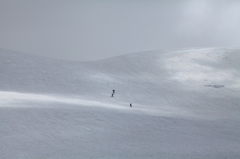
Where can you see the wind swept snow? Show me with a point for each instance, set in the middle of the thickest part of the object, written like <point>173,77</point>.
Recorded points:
<point>185,105</point>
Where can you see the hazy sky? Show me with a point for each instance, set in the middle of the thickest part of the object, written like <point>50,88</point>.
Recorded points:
<point>89,30</point>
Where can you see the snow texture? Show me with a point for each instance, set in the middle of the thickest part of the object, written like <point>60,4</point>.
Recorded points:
<point>185,105</point>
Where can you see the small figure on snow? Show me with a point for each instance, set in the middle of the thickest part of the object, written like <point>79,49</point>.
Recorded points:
<point>130,104</point>
<point>113,92</point>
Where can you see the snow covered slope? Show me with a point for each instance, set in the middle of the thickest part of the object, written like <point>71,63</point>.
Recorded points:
<point>185,105</point>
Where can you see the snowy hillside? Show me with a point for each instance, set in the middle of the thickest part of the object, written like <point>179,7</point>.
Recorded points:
<point>185,105</point>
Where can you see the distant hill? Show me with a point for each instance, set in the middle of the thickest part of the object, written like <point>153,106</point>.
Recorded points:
<point>185,105</point>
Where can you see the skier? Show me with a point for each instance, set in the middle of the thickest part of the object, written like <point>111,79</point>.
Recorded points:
<point>113,92</point>
<point>130,104</point>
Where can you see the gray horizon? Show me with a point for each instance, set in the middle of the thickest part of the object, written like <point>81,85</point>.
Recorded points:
<point>91,30</point>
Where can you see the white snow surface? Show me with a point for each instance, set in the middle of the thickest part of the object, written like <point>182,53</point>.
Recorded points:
<point>185,106</point>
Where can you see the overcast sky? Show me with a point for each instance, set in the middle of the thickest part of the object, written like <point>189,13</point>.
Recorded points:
<point>90,30</point>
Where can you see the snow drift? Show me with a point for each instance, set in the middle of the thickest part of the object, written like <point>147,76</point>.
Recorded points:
<point>185,105</point>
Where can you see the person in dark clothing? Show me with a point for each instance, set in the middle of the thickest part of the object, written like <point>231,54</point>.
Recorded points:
<point>113,92</point>
<point>130,104</point>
